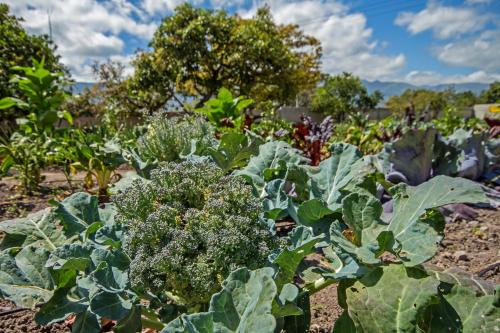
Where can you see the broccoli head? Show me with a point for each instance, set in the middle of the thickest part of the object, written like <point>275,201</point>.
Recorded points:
<point>190,227</point>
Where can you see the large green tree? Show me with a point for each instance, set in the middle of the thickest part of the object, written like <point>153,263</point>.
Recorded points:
<point>19,48</point>
<point>492,94</point>
<point>461,99</point>
<point>197,51</point>
<point>344,96</point>
<point>418,102</point>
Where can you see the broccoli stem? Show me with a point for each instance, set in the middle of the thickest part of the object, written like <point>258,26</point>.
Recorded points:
<point>318,285</point>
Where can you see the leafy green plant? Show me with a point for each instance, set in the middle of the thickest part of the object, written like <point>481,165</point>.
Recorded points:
<point>96,152</point>
<point>370,137</point>
<point>64,153</point>
<point>170,138</point>
<point>353,241</point>
<point>189,227</point>
<point>226,111</point>
<point>17,48</point>
<point>68,260</point>
<point>274,161</point>
<point>28,148</point>
<point>450,121</point>
<point>234,150</point>
<point>43,95</point>
<point>27,155</point>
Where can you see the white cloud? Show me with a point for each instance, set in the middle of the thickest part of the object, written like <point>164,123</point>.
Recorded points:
<point>84,30</point>
<point>481,52</point>
<point>444,21</point>
<point>125,60</point>
<point>91,30</point>
<point>157,6</point>
<point>434,78</point>
<point>347,42</point>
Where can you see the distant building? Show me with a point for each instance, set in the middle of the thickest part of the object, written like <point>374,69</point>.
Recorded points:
<point>482,111</point>
<point>293,113</point>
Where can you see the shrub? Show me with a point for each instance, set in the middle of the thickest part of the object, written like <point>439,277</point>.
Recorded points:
<point>167,139</point>
<point>27,155</point>
<point>189,227</point>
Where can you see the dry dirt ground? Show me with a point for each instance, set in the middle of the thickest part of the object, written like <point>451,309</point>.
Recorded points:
<point>470,245</point>
<point>23,322</point>
<point>13,203</point>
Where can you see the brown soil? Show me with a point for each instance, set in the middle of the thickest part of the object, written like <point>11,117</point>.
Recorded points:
<point>13,203</point>
<point>473,245</point>
<point>325,310</point>
<point>23,322</point>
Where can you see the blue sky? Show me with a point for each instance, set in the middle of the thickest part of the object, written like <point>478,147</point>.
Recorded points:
<point>415,41</point>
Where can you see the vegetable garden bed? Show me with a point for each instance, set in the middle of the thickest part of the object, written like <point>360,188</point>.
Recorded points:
<point>479,238</point>
<point>469,245</point>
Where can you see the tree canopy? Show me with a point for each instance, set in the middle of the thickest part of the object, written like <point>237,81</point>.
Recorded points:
<point>197,51</point>
<point>492,94</point>
<point>19,48</point>
<point>418,102</point>
<point>344,95</point>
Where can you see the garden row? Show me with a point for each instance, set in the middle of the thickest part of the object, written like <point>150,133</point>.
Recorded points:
<point>190,245</point>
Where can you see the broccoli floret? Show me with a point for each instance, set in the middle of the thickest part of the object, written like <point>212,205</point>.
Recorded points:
<point>190,227</point>
<point>167,139</point>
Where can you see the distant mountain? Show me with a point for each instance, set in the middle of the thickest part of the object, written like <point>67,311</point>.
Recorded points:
<point>389,89</point>
<point>78,87</point>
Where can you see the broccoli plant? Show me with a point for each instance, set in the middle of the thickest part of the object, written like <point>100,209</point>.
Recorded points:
<point>189,227</point>
<point>170,139</point>
<point>191,232</point>
<point>378,295</point>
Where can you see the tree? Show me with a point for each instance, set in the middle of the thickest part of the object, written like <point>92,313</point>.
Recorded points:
<point>492,94</point>
<point>18,48</point>
<point>344,95</point>
<point>110,99</point>
<point>421,103</point>
<point>197,51</point>
<point>462,99</point>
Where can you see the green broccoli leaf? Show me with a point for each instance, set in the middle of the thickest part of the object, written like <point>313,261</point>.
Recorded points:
<point>390,298</point>
<point>303,242</point>
<point>80,210</point>
<point>476,313</point>
<point>23,277</point>
<point>334,174</point>
<point>276,204</point>
<point>109,305</point>
<point>234,150</point>
<point>39,229</point>
<point>244,305</point>
<point>417,237</point>
<point>59,307</point>
<point>271,163</point>
<point>415,228</point>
